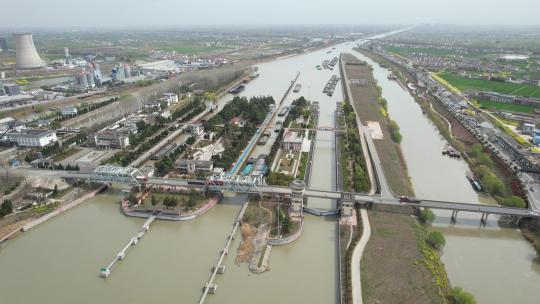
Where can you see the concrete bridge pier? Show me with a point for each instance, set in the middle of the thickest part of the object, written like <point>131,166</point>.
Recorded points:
<point>483,219</point>
<point>517,220</point>
<point>453,218</point>
<point>220,269</point>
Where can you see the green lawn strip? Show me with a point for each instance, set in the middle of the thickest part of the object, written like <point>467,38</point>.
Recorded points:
<point>503,106</point>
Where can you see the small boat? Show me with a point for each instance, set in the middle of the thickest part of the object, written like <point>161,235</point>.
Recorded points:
<point>475,183</point>
<point>237,89</point>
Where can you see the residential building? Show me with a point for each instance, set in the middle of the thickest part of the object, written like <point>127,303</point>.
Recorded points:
<point>31,137</point>
<point>192,165</point>
<point>170,97</point>
<point>291,142</point>
<point>115,137</point>
<point>237,121</point>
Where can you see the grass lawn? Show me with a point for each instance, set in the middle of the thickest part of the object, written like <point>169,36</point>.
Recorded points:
<point>465,84</point>
<point>503,106</point>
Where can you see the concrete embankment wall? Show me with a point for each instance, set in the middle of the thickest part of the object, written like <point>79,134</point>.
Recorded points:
<point>171,217</point>
<point>62,209</point>
<point>286,240</point>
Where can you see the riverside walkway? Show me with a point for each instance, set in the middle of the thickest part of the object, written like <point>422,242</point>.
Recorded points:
<point>210,286</point>
<point>106,271</point>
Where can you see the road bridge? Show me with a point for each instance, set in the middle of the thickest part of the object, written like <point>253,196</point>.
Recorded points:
<point>297,191</point>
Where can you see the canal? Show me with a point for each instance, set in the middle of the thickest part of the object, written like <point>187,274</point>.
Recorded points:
<point>59,261</point>
<point>496,264</point>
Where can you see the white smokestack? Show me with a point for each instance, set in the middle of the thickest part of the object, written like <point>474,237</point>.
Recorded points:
<point>27,56</point>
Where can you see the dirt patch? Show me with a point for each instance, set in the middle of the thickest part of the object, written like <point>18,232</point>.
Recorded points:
<point>47,182</point>
<point>392,271</point>
<point>245,250</point>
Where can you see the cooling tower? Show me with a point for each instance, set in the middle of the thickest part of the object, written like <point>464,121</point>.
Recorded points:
<point>27,56</point>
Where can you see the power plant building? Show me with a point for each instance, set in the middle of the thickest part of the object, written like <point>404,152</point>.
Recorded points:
<point>27,56</point>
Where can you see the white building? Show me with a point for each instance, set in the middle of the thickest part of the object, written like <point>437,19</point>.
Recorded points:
<point>31,138</point>
<point>68,111</point>
<point>291,142</point>
<point>196,129</point>
<point>170,97</point>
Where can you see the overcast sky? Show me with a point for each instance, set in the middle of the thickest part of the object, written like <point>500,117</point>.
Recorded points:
<point>101,13</point>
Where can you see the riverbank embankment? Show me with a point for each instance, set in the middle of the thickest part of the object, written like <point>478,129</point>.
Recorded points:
<point>390,267</point>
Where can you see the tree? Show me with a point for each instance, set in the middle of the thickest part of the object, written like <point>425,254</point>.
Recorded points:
<point>436,240</point>
<point>6,208</point>
<point>154,201</point>
<point>170,202</point>
<point>286,224</point>
<point>427,216</point>
<point>394,132</point>
<point>279,179</point>
<point>132,198</point>
<point>482,171</point>
<point>191,140</point>
<point>476,150</point>
<point>485,160</point>
<point>514,201</point>
<point>192,201</point>
<point>493,185</point>
<point>459,296</point>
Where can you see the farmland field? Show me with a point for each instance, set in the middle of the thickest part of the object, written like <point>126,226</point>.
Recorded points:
<point>465,84</point>
<point>503,106</point>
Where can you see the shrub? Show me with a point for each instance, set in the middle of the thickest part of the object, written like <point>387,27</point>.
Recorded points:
<point>427,216</point>
<point>459,296</point>
<point>394,132</point>
<point>436,240</point>
<point>514,201</point>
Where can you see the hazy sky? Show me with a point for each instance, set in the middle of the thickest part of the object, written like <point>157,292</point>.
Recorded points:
<point>100,13</point>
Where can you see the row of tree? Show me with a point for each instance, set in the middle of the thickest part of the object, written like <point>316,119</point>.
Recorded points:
<point>353,146</point>
<point>235,138</point>
<point>59,166</point>
<point>484,167</point>
<point>166,164</point>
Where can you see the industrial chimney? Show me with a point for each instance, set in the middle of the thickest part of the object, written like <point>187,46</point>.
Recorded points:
<point>27,57</point>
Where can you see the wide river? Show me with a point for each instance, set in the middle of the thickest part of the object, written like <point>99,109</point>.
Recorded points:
<point>59,261</point>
